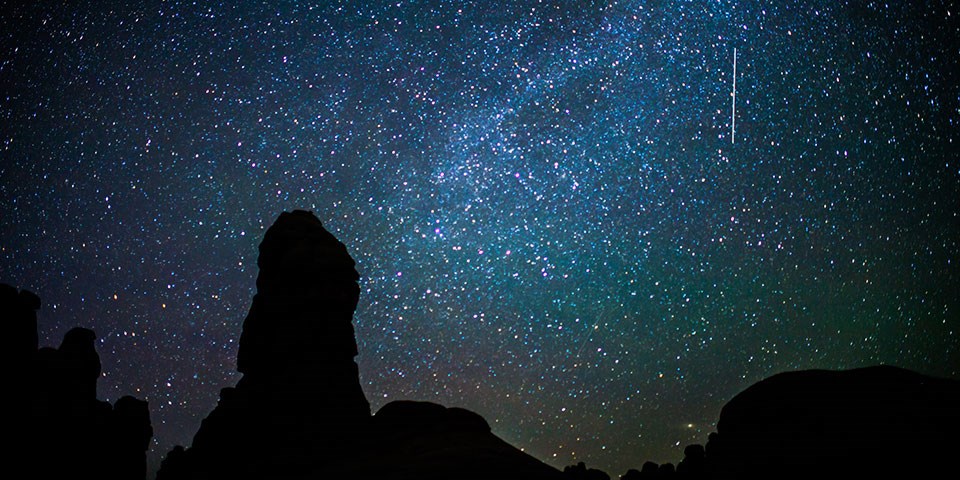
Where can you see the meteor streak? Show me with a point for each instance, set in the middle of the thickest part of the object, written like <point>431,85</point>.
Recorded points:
<point>733,113</point>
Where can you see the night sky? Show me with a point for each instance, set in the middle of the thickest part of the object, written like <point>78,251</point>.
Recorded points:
<point>554,224</point>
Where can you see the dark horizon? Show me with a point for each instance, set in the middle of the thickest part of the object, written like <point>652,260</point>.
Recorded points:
<point>299,410</point>
<point>552,225</point>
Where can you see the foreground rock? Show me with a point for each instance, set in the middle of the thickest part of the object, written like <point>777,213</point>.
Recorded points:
<point>299,402</point>
<point>863,422</point>
<point>58,427</point>
<point>299,410</point>
<point>423,440</point>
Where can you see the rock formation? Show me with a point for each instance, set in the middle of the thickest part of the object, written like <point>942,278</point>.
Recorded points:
<point>423,440</point>
<point>581,472</point>
<point>20,320</point>
<point>299,402</point>
<point>130,424</point>
<point>694,463</point>
<point>59,428</point>
<point>876,421</point>
<point>299,411</point>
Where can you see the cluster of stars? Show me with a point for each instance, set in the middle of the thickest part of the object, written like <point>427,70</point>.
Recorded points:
<point>552,225</point>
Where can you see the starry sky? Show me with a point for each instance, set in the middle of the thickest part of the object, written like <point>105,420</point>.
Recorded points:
<point>553,220</point>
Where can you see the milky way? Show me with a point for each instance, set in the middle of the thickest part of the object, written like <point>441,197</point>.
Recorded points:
<point>552,222</point>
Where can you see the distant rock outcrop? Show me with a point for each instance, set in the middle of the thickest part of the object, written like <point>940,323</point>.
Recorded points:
<point>423,440</point>
<point>876,421</point>
<point>581,472</point>
<point>60,429</point>
<point>299,410</point>
<point>20,313</point>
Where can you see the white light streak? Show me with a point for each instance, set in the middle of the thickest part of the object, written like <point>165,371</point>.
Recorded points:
<point>733,112</point>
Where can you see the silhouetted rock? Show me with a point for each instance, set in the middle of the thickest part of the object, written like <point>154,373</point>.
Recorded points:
<point>632,474</point>
<point>80,363</point>
<point>64,431</point>
<point>650,471</point>
<point>130,438</point>
<point>581,472</point>
<point>872,421</point>
<point>299,411</point>
<point>422,440</point>
<point>694,462</point>
<point>666,470</point>
<point>406,416</point>
<point>307,292</point>
<point>175,465</point>
<point>299,401</point>
<point>19,311</point>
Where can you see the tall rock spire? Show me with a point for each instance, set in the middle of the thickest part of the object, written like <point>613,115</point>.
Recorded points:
<point>299,401</point>
<point>306,294</point>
